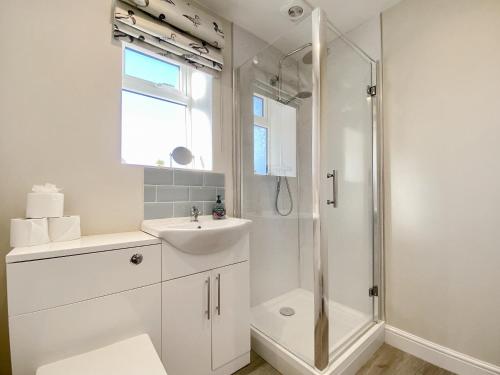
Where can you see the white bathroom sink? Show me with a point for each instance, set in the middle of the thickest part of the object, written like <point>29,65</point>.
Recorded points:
<point>203,237</point>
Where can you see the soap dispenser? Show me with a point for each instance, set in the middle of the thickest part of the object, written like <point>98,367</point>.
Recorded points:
<point>219,211</point>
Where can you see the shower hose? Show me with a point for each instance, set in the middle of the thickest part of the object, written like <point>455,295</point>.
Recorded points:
<point>278,189</point>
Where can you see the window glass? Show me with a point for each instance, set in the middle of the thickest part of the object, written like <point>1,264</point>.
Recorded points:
<point>260,149</point>
<point>151,129</point>
<point>148,68</point>
<point>156,119</point>
<point>258,106</point>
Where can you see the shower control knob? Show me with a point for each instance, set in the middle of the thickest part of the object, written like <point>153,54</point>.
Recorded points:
<point>136,259</point>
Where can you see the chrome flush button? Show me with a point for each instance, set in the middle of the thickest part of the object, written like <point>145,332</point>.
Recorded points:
<point>136,259</point>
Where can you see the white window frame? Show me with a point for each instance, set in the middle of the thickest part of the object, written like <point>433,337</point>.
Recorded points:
<point>160,91</point>
<point>263,121</point>
<point>164,92</point>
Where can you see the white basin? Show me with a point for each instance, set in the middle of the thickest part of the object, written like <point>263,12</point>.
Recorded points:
<point>203,237</point>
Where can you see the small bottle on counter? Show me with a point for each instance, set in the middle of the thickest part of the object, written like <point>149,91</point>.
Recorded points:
<point>219,211</point>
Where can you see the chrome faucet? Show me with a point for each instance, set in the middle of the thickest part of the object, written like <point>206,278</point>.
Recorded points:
<point>195,212</point>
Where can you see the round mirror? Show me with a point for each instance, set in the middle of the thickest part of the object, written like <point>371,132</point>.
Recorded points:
<point>182,155</point>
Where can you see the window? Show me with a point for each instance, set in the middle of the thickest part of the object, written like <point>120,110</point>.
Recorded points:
<point>260,141</point>
<point>258,106</point>
<point>165,105</point>
<point>150,69</point>
<point>274,136</point>
<point>260,136</point>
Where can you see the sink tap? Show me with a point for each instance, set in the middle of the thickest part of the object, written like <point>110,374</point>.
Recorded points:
<point>195,212</point>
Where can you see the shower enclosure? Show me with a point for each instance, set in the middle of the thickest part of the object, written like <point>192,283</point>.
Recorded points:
<point>308,156</point>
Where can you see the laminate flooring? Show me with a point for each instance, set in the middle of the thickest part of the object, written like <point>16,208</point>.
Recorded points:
<point>386,361</point>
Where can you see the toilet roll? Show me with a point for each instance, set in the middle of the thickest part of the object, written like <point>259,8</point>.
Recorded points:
<point>44,205</point>
<point>28,232</point>
<point>64,228</point>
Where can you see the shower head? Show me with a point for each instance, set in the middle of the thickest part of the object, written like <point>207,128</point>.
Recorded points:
<point>308,58</point>
<point>303,95</point>
<point>280,66</point>
<point>293,52</point>
<point>299,95</point>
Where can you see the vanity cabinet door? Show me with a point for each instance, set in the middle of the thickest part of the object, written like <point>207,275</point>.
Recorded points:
<point>186,317</point>
<point>231,313</point>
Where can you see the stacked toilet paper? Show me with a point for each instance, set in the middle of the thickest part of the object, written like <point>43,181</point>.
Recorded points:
<point>45,221</point>
<point>28,232</point>
<point>65,228</point>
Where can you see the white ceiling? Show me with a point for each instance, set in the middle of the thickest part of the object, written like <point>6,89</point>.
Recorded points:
<point>263,18</point>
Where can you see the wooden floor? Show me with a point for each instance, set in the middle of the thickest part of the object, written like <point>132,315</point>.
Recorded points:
<point>257,366</point>
<point>387,361</point>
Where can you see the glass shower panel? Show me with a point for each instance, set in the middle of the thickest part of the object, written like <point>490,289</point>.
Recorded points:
<point>349,225</point>
<point>275,99</point>
<point>275,145</point>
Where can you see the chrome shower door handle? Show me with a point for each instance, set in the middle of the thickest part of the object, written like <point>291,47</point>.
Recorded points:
<point>207,281</point>
<point>333,176</point>
<point>218,294</point>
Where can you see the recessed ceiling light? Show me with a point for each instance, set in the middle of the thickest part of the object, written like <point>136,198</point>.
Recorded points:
<point>295,11</point>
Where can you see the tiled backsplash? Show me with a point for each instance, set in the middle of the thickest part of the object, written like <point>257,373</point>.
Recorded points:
<point>172,192</point>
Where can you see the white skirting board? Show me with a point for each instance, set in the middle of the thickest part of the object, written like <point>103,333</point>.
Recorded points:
<point>438,355</point>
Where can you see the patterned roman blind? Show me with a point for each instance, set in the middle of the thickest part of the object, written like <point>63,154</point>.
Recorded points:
<point>172,28</point>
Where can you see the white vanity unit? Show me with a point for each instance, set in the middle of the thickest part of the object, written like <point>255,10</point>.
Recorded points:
<point>74,297</point>
<point>205,290</point>
<point>68,298</point>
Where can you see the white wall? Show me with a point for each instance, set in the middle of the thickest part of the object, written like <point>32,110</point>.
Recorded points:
<point>60,120</point>
<point>442,116</point>
<point>245,45</point>
<point>60,74</point>
<point>368,36</point>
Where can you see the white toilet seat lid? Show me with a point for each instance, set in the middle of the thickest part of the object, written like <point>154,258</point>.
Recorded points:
<point>134,356</point>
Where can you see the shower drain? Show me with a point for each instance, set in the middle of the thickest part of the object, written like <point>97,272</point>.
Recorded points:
<point>287,311</point>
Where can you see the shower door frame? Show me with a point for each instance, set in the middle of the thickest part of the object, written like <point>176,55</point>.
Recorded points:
<point>321,24</point>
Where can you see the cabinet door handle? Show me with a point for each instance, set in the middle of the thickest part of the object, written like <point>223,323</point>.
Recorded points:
<point>333,176</point>
<point>207,281</point>
<point>218,294</point>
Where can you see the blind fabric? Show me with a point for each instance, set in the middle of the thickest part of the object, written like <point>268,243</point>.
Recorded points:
<point>171,28</point>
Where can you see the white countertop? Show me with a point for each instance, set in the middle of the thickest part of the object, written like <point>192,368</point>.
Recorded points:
<point>84,245</point>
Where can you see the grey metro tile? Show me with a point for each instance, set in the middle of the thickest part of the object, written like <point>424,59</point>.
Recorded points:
<point>202,193</point>
<point>172,193</point>
<point>214,179</point>
<point>149,193</point>
<point>158,210</point>
<point>222,193</point>
<point>158,176</point>
<point>188,178</point>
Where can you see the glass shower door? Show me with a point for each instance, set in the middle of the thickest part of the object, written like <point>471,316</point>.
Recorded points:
<point>274,92</point>
<point>343,187</point>
<point>349,165</point>
<point>306,139</point>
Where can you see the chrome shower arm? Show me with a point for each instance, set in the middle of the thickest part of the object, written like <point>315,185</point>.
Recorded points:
<point>280,65</point>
